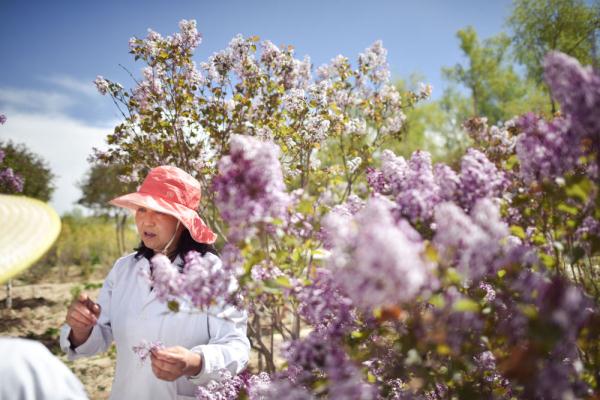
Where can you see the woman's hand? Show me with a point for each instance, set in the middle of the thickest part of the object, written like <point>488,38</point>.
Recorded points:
<point>172,363</point>
<point>82,315</point>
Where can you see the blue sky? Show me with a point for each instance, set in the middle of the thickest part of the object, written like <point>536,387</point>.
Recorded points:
<point>53,50</point>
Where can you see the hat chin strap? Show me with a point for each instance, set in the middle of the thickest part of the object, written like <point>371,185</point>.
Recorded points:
<point>164,251</point>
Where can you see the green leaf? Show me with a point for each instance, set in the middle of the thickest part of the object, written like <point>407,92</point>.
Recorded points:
<point>465,305</point>
<point>517,231</point>
<point>173,306</point>
<point>437,301</point>
<point>580,190</point>
<point>357,335</point>
<point>283,281</point>
<point>568,209</point>
<point>547,260</point>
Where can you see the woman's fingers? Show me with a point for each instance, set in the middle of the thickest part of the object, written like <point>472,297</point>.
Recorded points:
<point>83,313</point>
<point>77,320</point>
<point>165,370</point>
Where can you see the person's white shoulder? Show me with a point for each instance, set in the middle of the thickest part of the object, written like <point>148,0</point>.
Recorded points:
<point>122,264</point>
<point>29,371</point>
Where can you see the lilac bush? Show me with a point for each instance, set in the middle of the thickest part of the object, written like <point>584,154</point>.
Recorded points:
<point>385,277</point>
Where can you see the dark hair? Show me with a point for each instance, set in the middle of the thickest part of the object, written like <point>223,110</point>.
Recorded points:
<point>186,244</point>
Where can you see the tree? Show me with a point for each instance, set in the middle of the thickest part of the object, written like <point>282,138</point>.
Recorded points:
<point>99,186</point>
<point>33,169</point>
<point>541,26</point>
<point>497,91</point>
<point>435,126</point>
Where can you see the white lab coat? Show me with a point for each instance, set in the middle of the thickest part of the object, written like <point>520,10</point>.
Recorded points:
<point>28,371</point>
<point>130,313</point>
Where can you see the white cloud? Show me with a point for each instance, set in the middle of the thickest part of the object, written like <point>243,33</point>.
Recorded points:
<point>35,100</point>
<point>65,143</point>
<point>73,85</point>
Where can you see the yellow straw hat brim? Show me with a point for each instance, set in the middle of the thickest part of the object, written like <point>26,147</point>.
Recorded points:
<point>28,228</point>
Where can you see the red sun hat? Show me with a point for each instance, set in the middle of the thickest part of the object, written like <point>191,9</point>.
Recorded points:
<point>171,191</point>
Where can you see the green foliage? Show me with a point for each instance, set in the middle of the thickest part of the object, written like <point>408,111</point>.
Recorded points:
<point>541,26</point>
<point>100,185</point>
<point>31,167</point>
<point>434,126</point>
<point>497,91</point>
<point>86,242</point>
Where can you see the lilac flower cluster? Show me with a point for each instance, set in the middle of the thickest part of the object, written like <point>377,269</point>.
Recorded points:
<point>102,85</point>
<point>227,387</point>
<point>10,182</point>
<point>145,348</point>
<point>563,309</point>
<point>375,263</point>
<point>546,150</point>
<point>324,306</point>
<point>315,128</point>
<point>249,186</point>
<point>577,89</point>
<point>474,241</point>
<point>418,188</point>
<point>479,178</point>
<point>418,192</point>
<point>285,69</point>
<point>497,142</point>
<point>185,41</point>
<point>322,354</point>
<point>203,281</point>
<point>373,62</point>
<point>2,119</point>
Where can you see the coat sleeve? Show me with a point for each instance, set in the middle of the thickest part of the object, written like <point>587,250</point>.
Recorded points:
<point>101,336</point>
<point>228,346</point>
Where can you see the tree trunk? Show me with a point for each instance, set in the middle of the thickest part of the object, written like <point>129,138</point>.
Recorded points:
<point>9,294</point>
<point>122,232</point>
<point>117,233</point>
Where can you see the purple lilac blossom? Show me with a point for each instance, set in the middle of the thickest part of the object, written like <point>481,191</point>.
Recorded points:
<point>203,281</point>
<point>102,85</point>
<point>479,178</point>
<point>315,128</point>
<point>283,389</point>
<point>577,89</point>
<point>11,181</point>
<point>226,388</point>
<point>374,262</point>
<point>419,194</point>
<point>321,354</point>
<point>166,278</point>
<point>206,280</point>
<point>249,186</point>
<point>473,241</point>
<point>496,142</point>
<point>447,180</point>
<point>546,150</point>
<point>144,349</point>
<point>324,306</point>
<point>2,119</point>
<point>374,63</point>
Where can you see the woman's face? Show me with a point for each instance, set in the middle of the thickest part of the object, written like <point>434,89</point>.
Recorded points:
<point>156,229</point>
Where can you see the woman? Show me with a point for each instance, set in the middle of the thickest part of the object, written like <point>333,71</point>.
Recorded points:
<point>197,344</point>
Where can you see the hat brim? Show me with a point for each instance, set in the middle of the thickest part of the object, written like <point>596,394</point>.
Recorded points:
<point>28,230</point>
<point>199,231</point>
